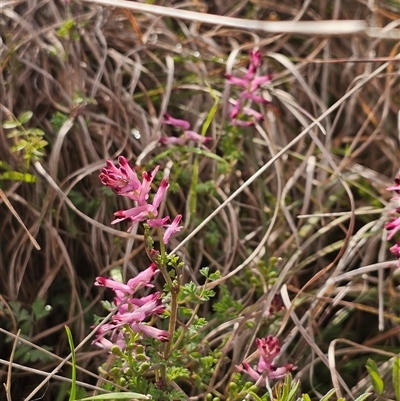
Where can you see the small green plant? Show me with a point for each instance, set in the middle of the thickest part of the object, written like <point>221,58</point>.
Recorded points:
<point>26,320</point>
<point>378,382</point>
<point>28,142</point>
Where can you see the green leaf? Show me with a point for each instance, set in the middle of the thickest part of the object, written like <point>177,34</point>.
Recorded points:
<point>72,394</point>
<point>117,396</point>
<point>396,378</point>
<point>362,397</point>
<point>16,176</point>
<point>328,395</point>
<point>377,382</point>
<point>10,124</point>
<point>25,116</point>
<point>38,309</point>
<point>306,397</point>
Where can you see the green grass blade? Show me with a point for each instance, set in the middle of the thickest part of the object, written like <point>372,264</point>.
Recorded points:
<point>376,379</point>
<point>328,395</point>
<point>396,378</point>
<point>362,397</point>
<point>72,394</point>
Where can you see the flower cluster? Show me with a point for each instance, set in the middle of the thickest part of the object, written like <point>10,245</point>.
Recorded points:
<point>125,182</point>
<point>188,134</point>
<point>131,312</point>
<point>250,84</point>
<point>268,349</point>
<point>394,224</point>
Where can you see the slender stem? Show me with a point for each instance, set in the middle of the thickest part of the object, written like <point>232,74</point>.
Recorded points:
<point>196,309</point>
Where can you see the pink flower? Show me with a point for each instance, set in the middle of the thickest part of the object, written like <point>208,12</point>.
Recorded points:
<point>268,349</point>
<point>187,135</point>
<point>396,186</point>
<point>131,311</point>
<point>143,278</point>
<point>173,140</point>
<point>140,281</point>
<point>250,84</point>
<point>176,122</point>
<point>121,180</point>
<point>160,195</point>
<point>393,227</point>
<point>172,228</point>
<point>150,331</point>
<point>113,285</point>
<point>194,136</point>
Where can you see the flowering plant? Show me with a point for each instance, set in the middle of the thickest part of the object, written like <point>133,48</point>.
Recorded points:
<point>158,338</point>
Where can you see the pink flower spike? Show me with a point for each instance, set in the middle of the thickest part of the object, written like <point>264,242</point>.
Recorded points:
<point>176,122</point>
<point>172,140</point>
<point>123,180</point>
<point>269,348</point>
<point>194,136</point>
<point>172,229</point>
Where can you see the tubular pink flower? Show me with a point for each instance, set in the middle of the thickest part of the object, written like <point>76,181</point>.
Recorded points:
<point>244,83</point>
<point>245,367</point>
<point>150,331</point>
<point>173,140</point>
<point>254,98</point>
<point>242,123</point>
<point>396,186</point>
<point>194,136</point>
<point>176,122</point>
<point>236,109</point>
<point>261,80</point>
<point>160,194</point>
<point>134,215</point>
<point>146,185</point>
<point>113,285</point>
<point>252,113</point>
<point>143,278</point>
<point>172,228</point>
<point>395,250</point>
<point>255,58</point>
<point>138,315</point>
<point>393,227</point>
<point>157,222</point>
<point>281,372</point>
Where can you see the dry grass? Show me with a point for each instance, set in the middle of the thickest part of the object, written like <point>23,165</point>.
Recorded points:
<point>310,186</point>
